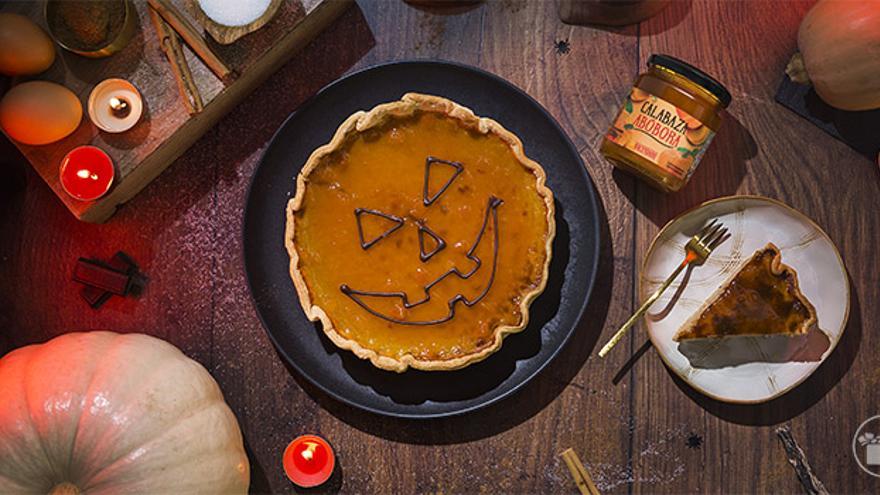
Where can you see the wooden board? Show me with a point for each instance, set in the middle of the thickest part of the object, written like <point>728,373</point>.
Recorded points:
<point>166,129</point>
<point>632,424</point>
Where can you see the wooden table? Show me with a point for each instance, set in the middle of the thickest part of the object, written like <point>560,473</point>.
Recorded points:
<point>636,426</point>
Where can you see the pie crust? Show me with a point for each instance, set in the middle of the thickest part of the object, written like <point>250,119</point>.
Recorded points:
<point>761,298</point>
<point>411,105</point>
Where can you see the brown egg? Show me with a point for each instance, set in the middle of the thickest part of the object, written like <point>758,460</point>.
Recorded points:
<point>24,47</point>
<point>39,112</point>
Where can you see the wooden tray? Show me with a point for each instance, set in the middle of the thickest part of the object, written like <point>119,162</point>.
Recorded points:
<point>166,129</point>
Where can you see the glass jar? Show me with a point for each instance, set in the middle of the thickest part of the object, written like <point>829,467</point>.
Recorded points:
<point>666,123</point>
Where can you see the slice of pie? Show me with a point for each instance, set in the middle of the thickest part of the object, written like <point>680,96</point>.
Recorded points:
<point>761,298</point>
<point>420,235</point>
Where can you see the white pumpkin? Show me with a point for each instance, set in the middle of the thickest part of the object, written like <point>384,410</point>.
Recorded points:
<point>104,413</point>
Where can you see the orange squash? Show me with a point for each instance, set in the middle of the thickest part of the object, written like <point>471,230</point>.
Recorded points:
<point>839,43</point>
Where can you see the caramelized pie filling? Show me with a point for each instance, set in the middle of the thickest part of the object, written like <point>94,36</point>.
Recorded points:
<point>756,301</point>
<point>421,237</point>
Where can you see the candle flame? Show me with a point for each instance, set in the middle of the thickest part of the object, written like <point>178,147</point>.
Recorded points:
<point>309,453</point>
<point>85,173</point>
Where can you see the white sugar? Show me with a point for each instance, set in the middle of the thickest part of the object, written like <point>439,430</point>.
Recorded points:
<point>234,12</point>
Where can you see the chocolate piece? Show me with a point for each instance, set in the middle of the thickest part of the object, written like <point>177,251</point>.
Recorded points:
<point>120,262</point>
<point>440,243</point>
<point>138,279</point>
<point>427,199</point>
<point>361,211</point>
<point>136,286</point>
<point>95,296</point>
<point>491,209</point>
<point>97,274</point>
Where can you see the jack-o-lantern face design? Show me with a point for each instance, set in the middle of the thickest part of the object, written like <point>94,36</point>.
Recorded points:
<point>425,254</point>
<point>420,235</point>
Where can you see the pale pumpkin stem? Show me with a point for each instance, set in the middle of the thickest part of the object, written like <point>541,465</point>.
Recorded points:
<point>796,69</point>
<point>66,488</point>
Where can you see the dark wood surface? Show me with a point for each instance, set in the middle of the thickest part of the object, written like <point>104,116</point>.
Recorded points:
<point>629,419</point>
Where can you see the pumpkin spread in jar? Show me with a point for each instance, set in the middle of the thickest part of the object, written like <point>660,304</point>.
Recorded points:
<point>420,235</point>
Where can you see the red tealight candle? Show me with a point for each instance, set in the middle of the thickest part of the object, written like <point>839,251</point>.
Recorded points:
<point>308,461</point>
<point>86,173</point>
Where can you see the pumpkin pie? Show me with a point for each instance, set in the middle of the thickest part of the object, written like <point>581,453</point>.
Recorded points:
<point>762,298</point>
<point>420,234</point>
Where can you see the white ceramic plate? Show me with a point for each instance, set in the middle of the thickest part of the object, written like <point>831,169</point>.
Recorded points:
<point>745,369</point>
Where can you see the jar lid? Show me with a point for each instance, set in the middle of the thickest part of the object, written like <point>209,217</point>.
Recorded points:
<point>688,71</point>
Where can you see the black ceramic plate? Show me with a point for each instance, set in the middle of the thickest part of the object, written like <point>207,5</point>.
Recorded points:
<point>419,394</point>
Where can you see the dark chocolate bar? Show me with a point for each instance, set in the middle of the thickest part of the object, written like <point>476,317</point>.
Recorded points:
<point>95,296</point>
<point>104,279</point>
<point>120,261</point>
<point>97,274</point>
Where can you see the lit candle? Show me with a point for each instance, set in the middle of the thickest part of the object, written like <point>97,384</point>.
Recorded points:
<point>308,461</point>
<point>115,105</point>
<point>86,173</point>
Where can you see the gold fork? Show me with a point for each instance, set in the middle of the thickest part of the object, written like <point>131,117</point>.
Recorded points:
<point>698,248</point>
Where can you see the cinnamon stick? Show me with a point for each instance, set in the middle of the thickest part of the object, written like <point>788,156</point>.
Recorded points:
<point>580,474</point>
<point>191,36</point>
<point>170,43</point>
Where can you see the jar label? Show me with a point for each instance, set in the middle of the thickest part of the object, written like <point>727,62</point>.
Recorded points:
<point>664,134</point>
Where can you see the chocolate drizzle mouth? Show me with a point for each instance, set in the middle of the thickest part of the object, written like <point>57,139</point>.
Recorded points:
<point>491,209</point>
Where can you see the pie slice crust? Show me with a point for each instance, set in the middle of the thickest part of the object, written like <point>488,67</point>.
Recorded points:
<point>761,298</point>
<point>365,122</point>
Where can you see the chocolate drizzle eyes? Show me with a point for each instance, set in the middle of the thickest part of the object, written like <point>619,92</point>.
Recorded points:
<point>427,199</point>
<point>491,210</point>
<point>398,223</point>
<point>438,241</point>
